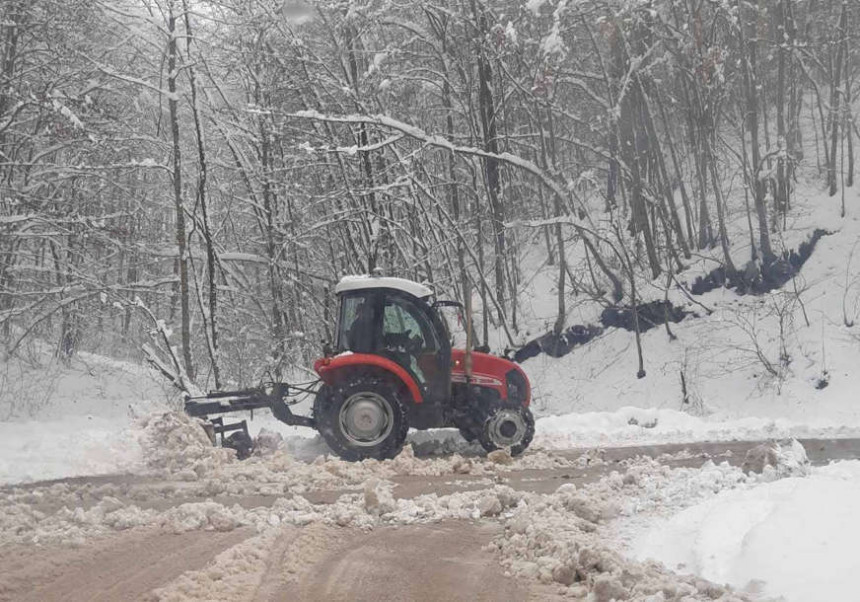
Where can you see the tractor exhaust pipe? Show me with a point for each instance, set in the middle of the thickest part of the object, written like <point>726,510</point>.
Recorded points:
<point>467,360</point>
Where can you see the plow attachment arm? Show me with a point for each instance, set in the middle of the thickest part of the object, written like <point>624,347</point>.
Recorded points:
<point>223,402</point>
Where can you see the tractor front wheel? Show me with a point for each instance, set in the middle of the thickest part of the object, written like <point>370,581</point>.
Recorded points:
<point>362,418</point>
<point>507,427</point>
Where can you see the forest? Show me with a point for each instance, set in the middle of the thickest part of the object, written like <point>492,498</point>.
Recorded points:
<point>193,177</point>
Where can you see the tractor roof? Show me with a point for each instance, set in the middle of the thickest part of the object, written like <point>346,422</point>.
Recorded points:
<point>354,283</point>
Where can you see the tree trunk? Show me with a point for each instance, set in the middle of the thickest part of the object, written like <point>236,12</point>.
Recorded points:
<point>748,66</point>
<point>662,173</point>
<point>202,201</point>
<point>782,183</point>
<point>849,120</point>
<point>486,105</point>
<point>181,242</point>
<point>835,120</point>
<point>368,196</point>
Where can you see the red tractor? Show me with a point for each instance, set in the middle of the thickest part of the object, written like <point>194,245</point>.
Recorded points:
<point>392,367</point>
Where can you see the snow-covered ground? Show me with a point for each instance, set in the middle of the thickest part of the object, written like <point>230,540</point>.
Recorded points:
<point>61,421</point>
<point>795,537</point>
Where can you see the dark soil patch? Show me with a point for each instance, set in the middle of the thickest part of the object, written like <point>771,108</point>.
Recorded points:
<point>651,314</point>
<point>760,278</point>
<point>654,313</point>
<point>557,345</point>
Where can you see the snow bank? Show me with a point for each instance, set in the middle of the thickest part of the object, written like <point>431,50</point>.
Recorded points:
<point>68,420</point>
<point>177,449</point>
<point>795,537</point>
<point>77,445</point>
<point>643,426</point>
<point>564,538</point>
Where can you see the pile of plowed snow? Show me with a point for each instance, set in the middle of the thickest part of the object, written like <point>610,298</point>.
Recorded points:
<point>176,444</point>
<point>176,448</point>
<point>73,512</point>
<point>183,468</point>
<point>794,537</point>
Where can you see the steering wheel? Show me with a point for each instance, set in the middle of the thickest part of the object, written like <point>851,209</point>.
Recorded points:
<point>413,344</point>
<point>404,341</point>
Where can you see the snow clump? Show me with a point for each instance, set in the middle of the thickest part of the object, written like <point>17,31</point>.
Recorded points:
<point>177,445</point>
<point>775,459</point>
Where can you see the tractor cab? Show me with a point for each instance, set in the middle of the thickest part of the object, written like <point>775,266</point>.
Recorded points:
<point>396,319</point>
<point>393,367</point>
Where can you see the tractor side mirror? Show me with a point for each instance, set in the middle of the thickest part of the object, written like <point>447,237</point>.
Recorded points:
<point>446,303</point>
<point>455,304</point>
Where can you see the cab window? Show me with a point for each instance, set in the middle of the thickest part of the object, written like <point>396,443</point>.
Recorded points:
<point>356,324</point>
<point>408,337</point>
<point>403,324</point>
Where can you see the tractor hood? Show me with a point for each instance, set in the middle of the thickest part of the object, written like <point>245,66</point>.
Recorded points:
<point>494,372</point>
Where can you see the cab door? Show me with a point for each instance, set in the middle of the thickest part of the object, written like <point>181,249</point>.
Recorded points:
<point>412,336</point>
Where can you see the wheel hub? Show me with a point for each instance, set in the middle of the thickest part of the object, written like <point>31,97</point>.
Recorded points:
<point>366,419</point>
<point>506,428</point>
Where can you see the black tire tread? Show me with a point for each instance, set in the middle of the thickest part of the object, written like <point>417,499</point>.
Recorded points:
<point>327,408</point>
<point>516,450</point>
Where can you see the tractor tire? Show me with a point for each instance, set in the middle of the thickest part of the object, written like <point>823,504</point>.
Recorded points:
<point>497,434</point>
<point>362,418</point>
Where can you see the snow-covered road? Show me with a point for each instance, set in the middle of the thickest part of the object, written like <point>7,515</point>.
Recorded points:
<point>547,524</point>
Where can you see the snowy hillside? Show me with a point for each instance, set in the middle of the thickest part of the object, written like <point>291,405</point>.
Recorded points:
<point>725,357</point>
<point>82,418</point>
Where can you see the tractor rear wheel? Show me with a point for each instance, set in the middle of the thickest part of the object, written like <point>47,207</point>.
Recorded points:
<point>507,427</point>
<point>362,418</point>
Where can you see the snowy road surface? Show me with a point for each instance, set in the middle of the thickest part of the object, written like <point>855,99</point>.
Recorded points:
<point>417,562</point>
<point>125,566</point>
<point>550,524</point>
